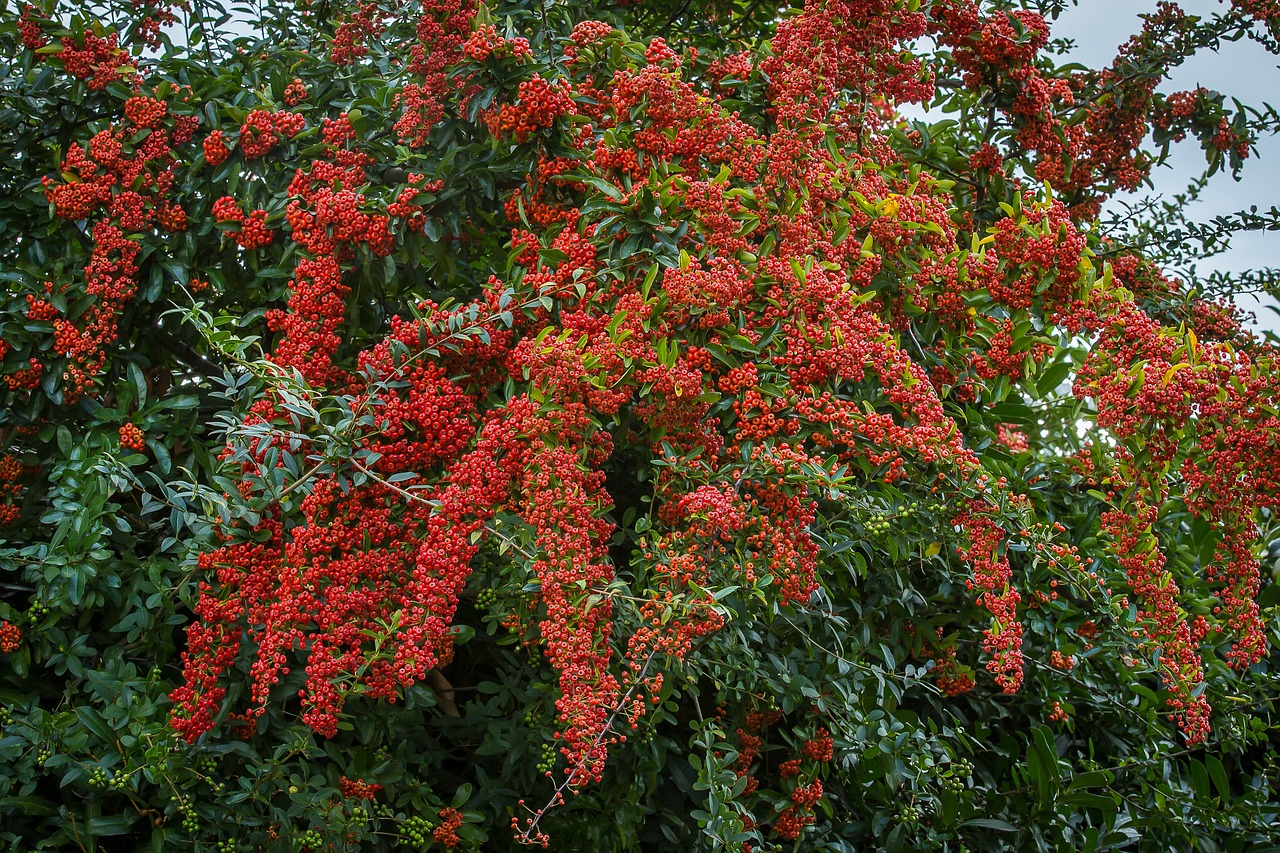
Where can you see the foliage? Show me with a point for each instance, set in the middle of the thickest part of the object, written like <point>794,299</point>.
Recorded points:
<point>430,424</point>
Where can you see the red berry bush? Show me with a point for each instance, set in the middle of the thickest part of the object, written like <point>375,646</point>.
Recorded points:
<point>621,426</point>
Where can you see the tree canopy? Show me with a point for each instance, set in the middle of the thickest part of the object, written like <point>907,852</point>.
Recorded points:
<point>675,425</point>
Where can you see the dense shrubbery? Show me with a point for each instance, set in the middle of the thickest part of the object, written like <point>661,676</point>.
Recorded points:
<point>431,424</point>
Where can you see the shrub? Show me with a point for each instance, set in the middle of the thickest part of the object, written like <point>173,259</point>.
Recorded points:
<point>444,425</point>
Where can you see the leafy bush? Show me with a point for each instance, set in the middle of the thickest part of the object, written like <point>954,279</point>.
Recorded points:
<point>431,424</point>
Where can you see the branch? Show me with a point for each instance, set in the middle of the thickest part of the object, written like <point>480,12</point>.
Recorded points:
<point>557,796</point>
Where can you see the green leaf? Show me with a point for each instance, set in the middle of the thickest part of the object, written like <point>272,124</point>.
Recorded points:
<point>118,824</point>
<point>31,806</point>
<point>139,383</point>
<point>1218,774</point>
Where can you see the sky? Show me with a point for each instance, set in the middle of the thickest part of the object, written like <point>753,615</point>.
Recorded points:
<point>1242,70</point>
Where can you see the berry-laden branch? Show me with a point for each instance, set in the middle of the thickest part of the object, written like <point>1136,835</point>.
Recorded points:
<point>528,832</point>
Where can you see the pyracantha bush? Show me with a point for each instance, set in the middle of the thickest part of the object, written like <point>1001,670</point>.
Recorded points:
<point>461,425</point>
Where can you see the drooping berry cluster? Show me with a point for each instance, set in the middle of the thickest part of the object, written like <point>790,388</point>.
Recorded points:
<point>122,182</point>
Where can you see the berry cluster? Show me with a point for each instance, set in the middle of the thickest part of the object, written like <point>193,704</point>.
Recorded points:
<point>152,15</point>
<point>539,104</point>
<point>122,181</point>
<point>253,232</point>
<point>262,131</point>
<point>131,438</point>
<point>992,580</point>
<point>446,834</point>
<point>10,636</point>
<point>442,33</point>
<point>12,475</point>
<point>349,39</point>
<point>357,789</point>
<point>216,150</point>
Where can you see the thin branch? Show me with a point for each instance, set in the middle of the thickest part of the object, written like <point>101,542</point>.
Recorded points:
<point>557,796</point>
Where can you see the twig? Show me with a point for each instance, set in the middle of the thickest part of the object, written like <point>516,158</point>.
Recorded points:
<point>557,796</point>
<point>666,29</point>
